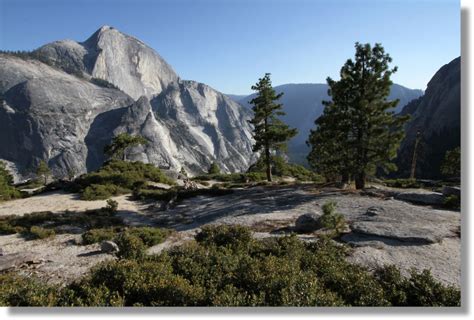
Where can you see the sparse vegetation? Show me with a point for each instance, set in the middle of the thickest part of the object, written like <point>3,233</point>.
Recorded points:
<point>403,183</point>
<point>103,83</point>
<point>281,168</point>
<point>227,267</point>
<point>90,219</point>
<point>452,202</point>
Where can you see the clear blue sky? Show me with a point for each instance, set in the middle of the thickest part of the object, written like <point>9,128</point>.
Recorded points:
<point>230,44</point>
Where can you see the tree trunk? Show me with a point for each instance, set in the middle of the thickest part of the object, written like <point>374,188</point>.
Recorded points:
<point>345,178</point>
<point>269,164</point>
<point>360,180</point>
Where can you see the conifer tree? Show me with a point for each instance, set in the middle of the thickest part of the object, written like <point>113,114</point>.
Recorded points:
<point>359,132</point>
<point>270,133</point>
<point>214,168</point>
<point>43,171</point>
<point>117,149</point>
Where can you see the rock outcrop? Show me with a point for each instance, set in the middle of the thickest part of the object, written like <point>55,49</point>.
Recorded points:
<point>437,116</point>
<point>66,100</point>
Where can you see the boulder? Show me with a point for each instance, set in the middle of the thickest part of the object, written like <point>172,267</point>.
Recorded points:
<point>109,247</point>
<point>1,252</point>
<point>451,191</point>
<point>307,222</point>
<point>428,198</point>
<point>374,211</point>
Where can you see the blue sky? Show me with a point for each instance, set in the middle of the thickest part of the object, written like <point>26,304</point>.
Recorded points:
<point>230,44</point>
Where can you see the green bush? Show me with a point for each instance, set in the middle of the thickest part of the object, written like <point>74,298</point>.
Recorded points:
<point>403,183</point>
<point>226,267</point>
<point>40,233</point>
<point>149,235</point>
<point>131,246</point>
<point>7,190</point>
<point>117,177</point>
<point>99,235</point>
<point>90,219</point>
<point>330,219</point>
<point>452,202</point>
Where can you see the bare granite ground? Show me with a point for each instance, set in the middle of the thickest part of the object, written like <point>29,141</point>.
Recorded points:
<point>383,230</point>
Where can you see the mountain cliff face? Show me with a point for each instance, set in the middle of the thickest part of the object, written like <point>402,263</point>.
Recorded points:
<point>302,104</point>
<point>52,108</point>
<point>437,115</point>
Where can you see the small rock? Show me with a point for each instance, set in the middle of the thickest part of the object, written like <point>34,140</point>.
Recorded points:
<point>451,191</point>
<point>1,252</point>
<point>109,247</point>
<point>307,222</point>
<point>374,211</point>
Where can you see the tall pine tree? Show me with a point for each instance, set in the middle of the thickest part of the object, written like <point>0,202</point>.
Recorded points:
<point>270,133</point>
<point>358,132</point>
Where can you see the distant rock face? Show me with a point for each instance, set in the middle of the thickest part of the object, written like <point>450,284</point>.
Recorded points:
<point>437,115</point>
<point>53,111</point>
<point>303,105</point>
<point>116,57</point>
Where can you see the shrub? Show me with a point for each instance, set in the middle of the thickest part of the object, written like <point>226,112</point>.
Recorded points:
<point>233,236</point>
<point>131,246</point>
<point>331,219</point>
<point>40,233</point>
<point>403,183</point>
<point>453,202</point>
<point>99,235</point>
<point>7,190</point>
<point>103,83</point>
<point>112,206</point>
<point>150,236</point>
<point>214,168</point>
<point>100,192</point>
<point>117,177</point>
<point>226,267</point>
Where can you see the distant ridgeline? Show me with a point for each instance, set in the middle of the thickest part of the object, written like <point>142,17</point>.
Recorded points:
<point>437,117</point>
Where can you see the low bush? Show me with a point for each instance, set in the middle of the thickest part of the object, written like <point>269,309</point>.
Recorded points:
<point>40,233</point>
<point>148,235</point>
<point>131,246</point>
<point>403,183</point>
<point>330,219</point>
<point>227,267</point>
<point>90,219</point>
<point>452,202</point>
<point>99,235</point>
<point>117,177</point>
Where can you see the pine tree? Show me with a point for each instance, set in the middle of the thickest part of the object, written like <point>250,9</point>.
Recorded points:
<point>270,133</point>
<point>214,168</point>
<point>451,166</point>
<point>117,149</point>
<point>358,132</point>
<point>43,171</point>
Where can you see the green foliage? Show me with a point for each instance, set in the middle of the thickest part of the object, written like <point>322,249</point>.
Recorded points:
<point>149,236</point>
<point>90,219</point>
<point>40,233</point>
<point>358,133</point>
<point>214,168</point>
<point>270,133</point>
<point>131,246</point>
<point>117,177</point>
<point>281,168</point>
<point>403,183</point>
<point>451,166</point>
<point>20,291</point>
<point>117,149</point>
<point>112,206</point>
<point>331,219</point>
<point>43,171</point>
<point>99,235</point>
<point>102,191</point>
<point>103,83</point>
<point>7,190</point>
<point>226,267</point>
<point>452,202</point>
